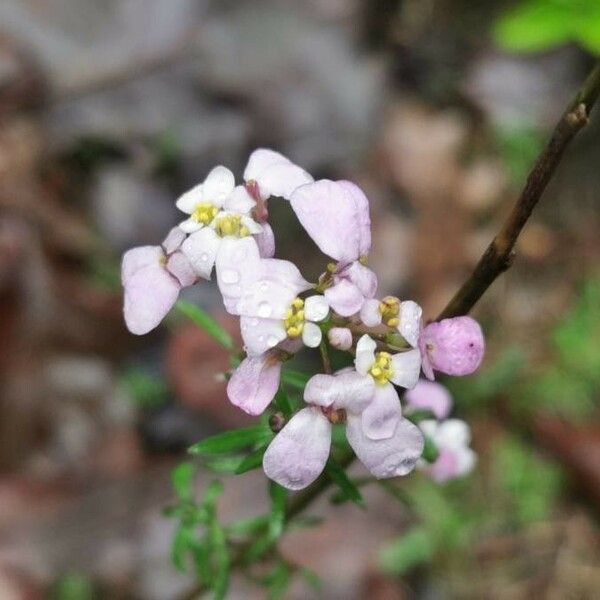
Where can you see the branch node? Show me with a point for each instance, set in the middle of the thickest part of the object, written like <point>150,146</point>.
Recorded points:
<point>578,117</point>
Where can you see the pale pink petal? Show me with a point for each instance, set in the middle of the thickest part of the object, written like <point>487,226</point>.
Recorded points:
<point>286,272</point>
<point>266,299</point>
<point>410,322</point>
<point>428,395</point>
<point>340,338</point>
<point>239,201</point>
<point>173,241</point>
<point>201,248</point>
<point>365,354</point>
<point>275,174</point>
<point>251,225</point>
<point>149,291</point>
<point>362,211</point>
<point>344,298</point>
<point>391,457</point>
<point>188,201</point>
<point>254,383</point>
<point>406,366</point>
<point>181,268</point>
<point>453,433</point>
<point>311,335</point>
<point>260,335</point>
<point>347,390</point>
<point>316,308</point>
<point>380,417</point>
<point>331,217</point>
<point>190,226</point>
<point>363,278</point>
<point>453,346</point>
<point>297,455</point>
<point>238,264</point>
<point>370,314</point>
<point>218,185</point>
<point>266,241</point>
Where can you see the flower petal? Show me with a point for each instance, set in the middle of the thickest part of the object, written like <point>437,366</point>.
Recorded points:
<point>311,335</point>
<point>380,417</point>
<point>340,338</point>
<point>316,308</point>
<point>239,201</point>
<point>348,390</point>
<point>179,265</point>
<point>365,354</point>
<point>173,241</point>
<point>391,457</point>
<point>188,201</point>
<point>149,291</point>
<point>370,314</point>
<point>361,203</point>
<point>254,383</point>
<point>201,248</point>
<point>260,335</point>
<point>345,298</point>
<point>453,433</point>
<point>275,174</point>
<point>266,241</point>
<point>286,272</point>
<point>266,299</point>
<point>363,278</point>
<point>219,183</point>
<point>190,226</point>
<point>332,217</point>
<point>410,322</point>
<point>406,366</point>
<point>428,395</point>
<point>297,455</point>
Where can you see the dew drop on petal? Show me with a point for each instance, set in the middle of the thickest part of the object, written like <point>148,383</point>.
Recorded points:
<point>204,257</point>
<point>272,341</point>
<point>230,276</point>
<point>264,310</point>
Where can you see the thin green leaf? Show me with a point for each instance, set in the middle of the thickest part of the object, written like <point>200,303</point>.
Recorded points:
<point>282,402</point>
<point>182,477</point>
<point>280,581</point>
<point>338,475</point>
<point>252,461</point>
<point>213,491</point>
<point>201,318</point>
<point>247,526</point>
<point>180,547</point>
<point>221,560</point>
<point>415,547</point>
<point>295,379</point>
<point>231,440</point>
<point>430,450</point>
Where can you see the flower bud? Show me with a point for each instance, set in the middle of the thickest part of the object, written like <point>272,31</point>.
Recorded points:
<point>340,338</point>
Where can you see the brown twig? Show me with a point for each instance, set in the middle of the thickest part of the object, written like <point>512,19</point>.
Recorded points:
<point>499,254</point>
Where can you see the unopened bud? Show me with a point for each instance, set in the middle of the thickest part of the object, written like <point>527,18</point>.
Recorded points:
<point>340,338</point>
<point>276,422</point>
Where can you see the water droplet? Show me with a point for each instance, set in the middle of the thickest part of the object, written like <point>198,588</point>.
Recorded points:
<point>204,257</point>
<point>272,341</point>
<point>264,310</point>
<point>230,276</point>
<point>261,338</point>
<point>253,322</point>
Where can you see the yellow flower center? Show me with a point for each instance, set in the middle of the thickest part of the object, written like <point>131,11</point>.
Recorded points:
<point>382,370</point>
<point>204,213</point>
<point>389,308</point>
<point>294,318</point>
<point>231,225</point>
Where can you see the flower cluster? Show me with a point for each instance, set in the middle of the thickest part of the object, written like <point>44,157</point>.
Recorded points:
<point>226,229</point>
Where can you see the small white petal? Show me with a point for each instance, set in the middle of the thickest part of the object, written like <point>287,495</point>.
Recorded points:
<point>365,354</point>
<point>453,433</point>
<point>346,389</point>
<point>190,226</point>
<point>380,418</point>
<point>188,201</point>
<point>252,226</point>
<point>218,184</point>
<point>410,322</point>
<point>311,335</point>
<point>316,308</point>
<point>260,335</point>
<point>370,314</point>
<point>201,248</point>
<point>406,366</point>
<point>239,201</point>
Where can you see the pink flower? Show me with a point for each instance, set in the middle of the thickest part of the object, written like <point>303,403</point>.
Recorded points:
<point>269,173</point>
<point>386,444</point>
<point>340,338</point>
<point>336,216</point>
<point>432,396</point>
<point>455,459</point>
<point>152,277</point>
<point>452,346</point>
<point>254,383</point>
<point>403,316</point>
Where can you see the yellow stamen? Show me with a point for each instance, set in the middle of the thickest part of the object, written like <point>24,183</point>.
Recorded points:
<point>204,213</point>
<point>331,267</point>
<point>231,225</point>
<point>389,308</point>
<point>382,370</point>
<point>294,318</point>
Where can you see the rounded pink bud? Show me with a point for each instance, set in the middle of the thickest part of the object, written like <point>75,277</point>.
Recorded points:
<point>452,346</point>
<point>340,338</point>
<point>429,395</point>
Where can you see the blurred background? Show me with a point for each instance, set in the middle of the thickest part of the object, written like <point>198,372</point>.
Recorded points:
<point>110,109</point>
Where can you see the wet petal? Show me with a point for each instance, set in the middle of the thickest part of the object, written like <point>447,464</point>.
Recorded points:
<point>239,201</point>
<point>266,299</point>
<point>297,455</point>
<point>370,314</point>
<point>311,335</point>
<point>188,201</point>
<point>218,185</point>
<point>316,308</point>
<point>254,383</point>
<point>345,298</point>
<point>380,417</point>
<point>181,268</point>
<point>410,322</point>
<point>201,248</point>
<point>332,217</point>
<point>348,390</point>
<point>138,258</point>
<point>428,395</point>
<point>363,278</point>
<point>173,241</point>
<point>260,335</point>
<point>190,226</point>
<point>266,241</point>
<point>340,338</point>
<point>365,354</point>
<point>406,366</point>
<point>286,272</point>
<point>391,457</point>
<point>363,221</point>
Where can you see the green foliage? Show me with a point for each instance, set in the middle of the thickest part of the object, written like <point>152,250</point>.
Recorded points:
<point>72,586</point>
<point>236,439</point>
<point>536,25</point>
<point>531,486</point>
<point>201,318</point>
<point>518,146</point>
<point>349,491</point>
<point>415,547</point>
<point>146,390</point>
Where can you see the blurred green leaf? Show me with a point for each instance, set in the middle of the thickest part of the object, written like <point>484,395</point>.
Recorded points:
<point>430,451</point>
<point>72,586</point>
<point>279,581</point>
<point>295,379</point>
<point>252,461</point>
<point>246,526</point>
<point>180,547</point>
<point>313,580</point>
<point>283,404</point>
<point>229,441</point>
<point>146,390</point>
<point>201,318</point>
<point>338,475</point>
<point>220,555</point>
<point>413,548</point>
<point>182,477</point>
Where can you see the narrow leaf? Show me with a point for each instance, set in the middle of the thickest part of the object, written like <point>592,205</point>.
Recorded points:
<point>182,478</point>
<point>338,475</point>
<point>430,451</point>
<point>252,461</point>
<point>201,318</point>
<point>282,402</point>
<point>231,440</point>
<point>295,379</point>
